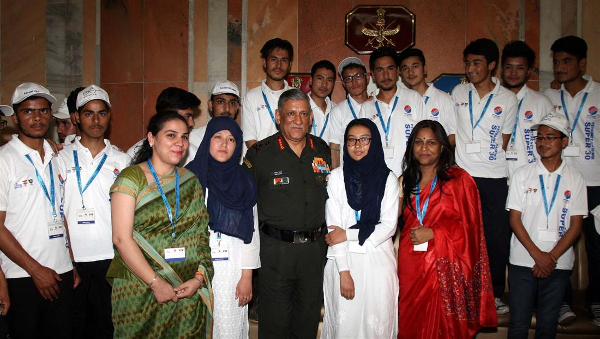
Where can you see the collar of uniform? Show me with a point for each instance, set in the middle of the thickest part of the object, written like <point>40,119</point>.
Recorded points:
<point>267,89</point>
<point>430,91</point>
<point>23,149</point>
<point>494,91</point>
<point>522,92</point>
<point>587,89</point>
<point>353,102</point>
<point>282,143</point>
<point>314,105</point>
<point>541,169</point>
<point>107,148</point>
<point>397,94</point>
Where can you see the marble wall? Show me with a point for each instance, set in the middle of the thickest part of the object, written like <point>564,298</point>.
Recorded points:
<point>136,48</point>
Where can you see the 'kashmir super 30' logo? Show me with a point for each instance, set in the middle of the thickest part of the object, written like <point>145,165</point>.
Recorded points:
<point>567,195</point>
<point>407,109</point>
<point>528,115</point>
<point>435,112</point>
<point>592,111</point>
<point>497,111</point>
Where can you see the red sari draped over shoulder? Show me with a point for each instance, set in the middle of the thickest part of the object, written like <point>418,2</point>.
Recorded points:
<point>446,292</point>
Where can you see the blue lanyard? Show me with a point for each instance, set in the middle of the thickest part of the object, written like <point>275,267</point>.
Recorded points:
<point>426,99</point>
<point>386,129</point>
<point>164,197</point>
<point>78,173</point>
<point>421,212</point>
<point>322,129</point>
<point>514,132</point>
<point>357,215</point>
<point>351,108</point>
<point>482,113</point>
<point>562,99</point>
<point>51,197</point>
<point>269,107</point>
<point>548,209</point>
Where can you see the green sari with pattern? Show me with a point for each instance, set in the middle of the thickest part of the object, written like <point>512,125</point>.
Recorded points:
<point>135,311</point>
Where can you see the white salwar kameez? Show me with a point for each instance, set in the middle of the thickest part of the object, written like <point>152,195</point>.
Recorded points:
<point>373,313</point>
<point>229,320</point>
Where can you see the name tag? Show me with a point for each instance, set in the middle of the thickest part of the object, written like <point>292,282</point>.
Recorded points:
<point>421,247</point>
<point>86,216</point>
<point>473,147</point>
<point>56,229</point>
<point>511,154</point>
<point>175,254</point>
<point>388,152</point>
<point>219,250</point>
<point>571,151</point>
<point>548,235</point>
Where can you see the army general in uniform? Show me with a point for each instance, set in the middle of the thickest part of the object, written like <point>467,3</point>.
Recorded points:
<point>290,168</point>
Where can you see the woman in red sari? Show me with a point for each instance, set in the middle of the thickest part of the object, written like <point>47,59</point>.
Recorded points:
<point>445,287</point>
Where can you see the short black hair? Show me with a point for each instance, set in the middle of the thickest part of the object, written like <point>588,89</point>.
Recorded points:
<point>274,44</point>
<point>381,52</point>
<point>485,47</point>
<point>33,97</point>
<point>571,44</point>
<point>322,64</point>
<point>411,53</point>
<point>174,98</point>
<point>516,49</point>
<point>72,99</point>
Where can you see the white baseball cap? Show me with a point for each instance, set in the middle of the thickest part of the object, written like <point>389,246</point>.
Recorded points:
<point>556,121</point>
<point>90,93</point>
<point>225,87</point>
<point>63,111</point>
<point>348,61</point>
<point>6,110</point>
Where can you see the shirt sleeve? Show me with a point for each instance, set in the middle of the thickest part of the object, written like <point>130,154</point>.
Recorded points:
<point>579,204</point>
<point>333,217</point>
<point>4,183</point>
<point>511,115</point>
<point>251,251</point>
<point>516,198</point>
<point>389,213</point>
<point>248,119</point>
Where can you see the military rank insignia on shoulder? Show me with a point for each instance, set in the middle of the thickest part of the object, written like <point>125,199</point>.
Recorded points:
<point>247,163</point>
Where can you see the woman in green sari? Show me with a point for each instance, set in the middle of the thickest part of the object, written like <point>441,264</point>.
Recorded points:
<point>159,224</point>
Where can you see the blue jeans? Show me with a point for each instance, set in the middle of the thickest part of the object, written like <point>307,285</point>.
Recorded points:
<point>523,291</point>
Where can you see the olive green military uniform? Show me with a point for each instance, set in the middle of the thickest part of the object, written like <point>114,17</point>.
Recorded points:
<point>291,213</point>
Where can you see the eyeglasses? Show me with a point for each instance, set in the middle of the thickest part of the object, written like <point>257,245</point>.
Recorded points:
<point>364,141</point>
<point>357,76</point>
<point>542,139</point>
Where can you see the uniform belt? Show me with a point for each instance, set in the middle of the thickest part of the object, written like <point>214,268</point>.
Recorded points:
<point>296,237</point>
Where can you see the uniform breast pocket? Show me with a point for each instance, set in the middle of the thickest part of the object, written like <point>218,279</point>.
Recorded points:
<point>321,179</point>
<point>280,181</point>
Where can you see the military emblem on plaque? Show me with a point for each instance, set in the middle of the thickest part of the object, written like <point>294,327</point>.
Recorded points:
<point>300,81</point>
<point>370,27</point>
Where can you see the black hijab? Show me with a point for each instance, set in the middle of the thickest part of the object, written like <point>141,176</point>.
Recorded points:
<point>365,180</point>
<point>233,192</point>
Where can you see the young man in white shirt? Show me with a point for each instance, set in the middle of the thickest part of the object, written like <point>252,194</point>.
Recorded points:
<point>485,118</point>
<point>260,103</point>
<point>547,204</point>
<point>517,63</point>
<point>34,241</point>
<point>322,80</point>
<point>438,104</point>
<point>92,165</point>
<point>395,110</point>
<point>354,79</point>
<point>186,104</point>
<point>579,99</point>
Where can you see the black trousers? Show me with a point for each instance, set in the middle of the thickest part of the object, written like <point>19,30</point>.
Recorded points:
<point>291,288</point>
<point>92,313</point>
<point>32,316</point>
<point>592,247</point>
<point>493,194</point>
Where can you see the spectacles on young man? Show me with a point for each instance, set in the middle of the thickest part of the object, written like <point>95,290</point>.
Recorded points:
<point>364,141</point>
<point>548,138</point>
<point>357,76</point>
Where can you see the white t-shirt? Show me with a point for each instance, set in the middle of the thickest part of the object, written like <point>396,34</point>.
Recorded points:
<point>339,118</point>
<point>440,107</point>
<point>322,120</point>
<point>499,119</point>
<point>587,129</point>
<point>525,196</point>
<point>257,122</point>
<point>28,210</point>
<point>91,241</point>
<point>409,110</point>
<point>534,106</point>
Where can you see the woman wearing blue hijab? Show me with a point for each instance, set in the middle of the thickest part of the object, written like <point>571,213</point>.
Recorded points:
<point>231,196</point>
<point>361,283</point>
